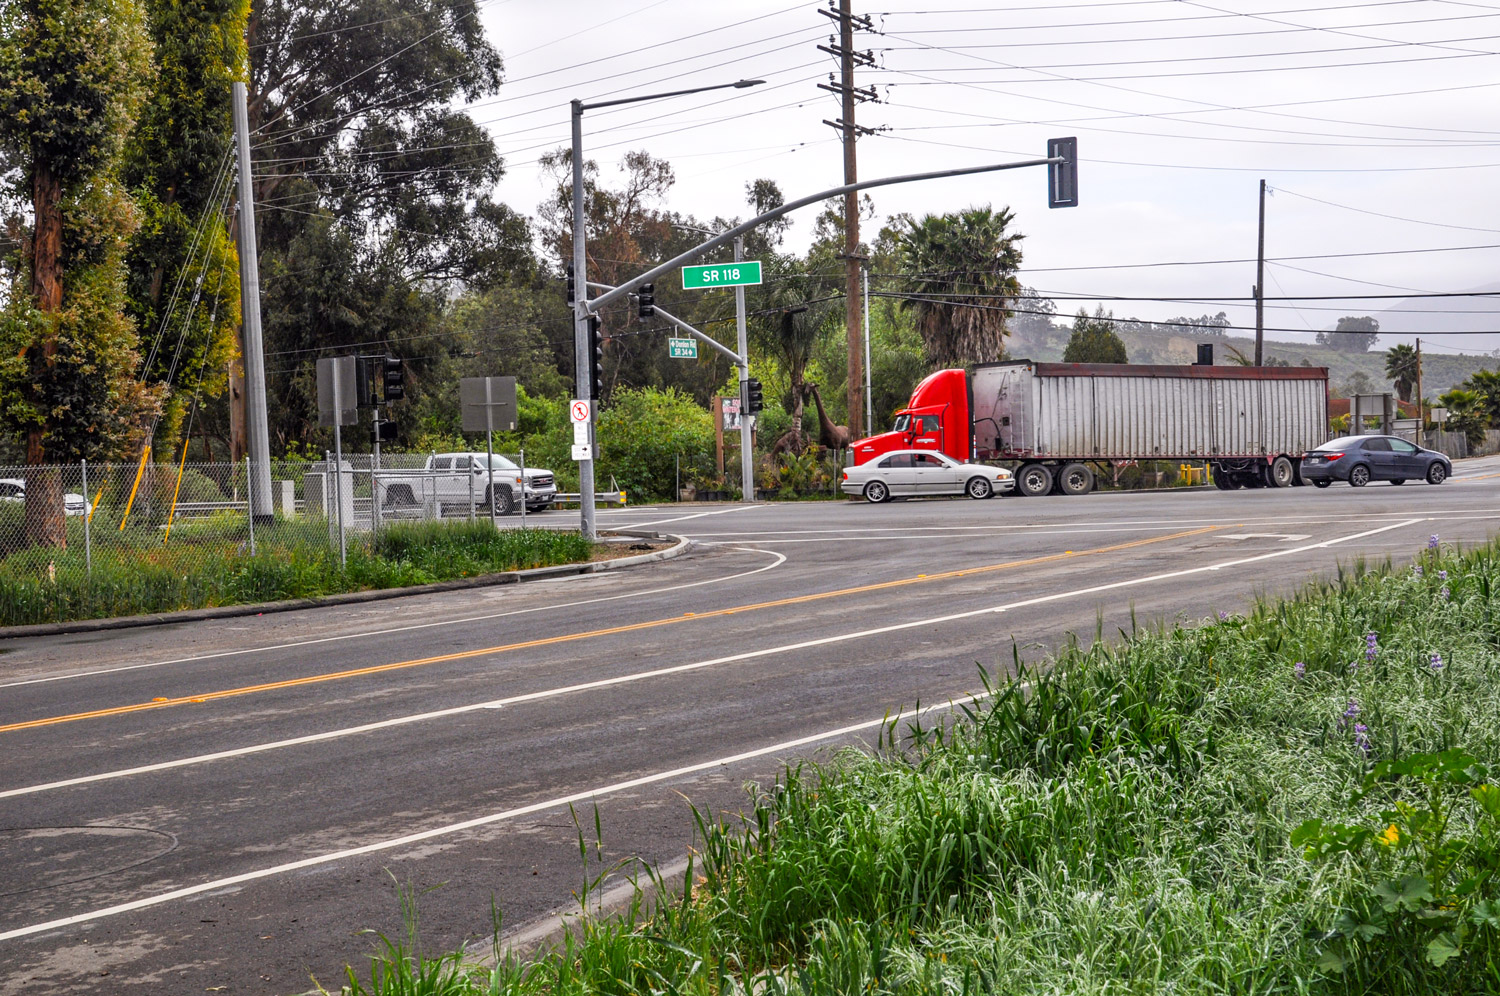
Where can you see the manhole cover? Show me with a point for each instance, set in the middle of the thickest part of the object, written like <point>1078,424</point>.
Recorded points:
<point>46,857</point>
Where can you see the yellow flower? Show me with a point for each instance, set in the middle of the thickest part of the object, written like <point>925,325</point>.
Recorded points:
<point>1391,837</point>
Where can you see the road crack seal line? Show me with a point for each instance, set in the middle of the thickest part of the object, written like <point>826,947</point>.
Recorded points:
<point>162,702</point>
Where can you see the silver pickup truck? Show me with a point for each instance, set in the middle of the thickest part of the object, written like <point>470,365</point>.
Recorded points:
<point>458,478</point>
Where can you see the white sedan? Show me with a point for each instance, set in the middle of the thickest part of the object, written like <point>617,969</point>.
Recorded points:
<point>911,473</point>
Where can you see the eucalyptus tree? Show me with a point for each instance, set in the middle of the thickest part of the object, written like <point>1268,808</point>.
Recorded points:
<point>73,76</point>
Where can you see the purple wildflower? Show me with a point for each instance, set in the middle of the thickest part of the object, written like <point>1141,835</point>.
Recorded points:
<point>1350,711</point>
<point>1362,737</point>
<point>1299,670</point>
<point>1436,662</point>
<point>1432,542</point>
<point>1372,646</point>
<point>1416,569</point>
<point>1445,593</point>
<point>1442,575</point>
<point>1223,616</point>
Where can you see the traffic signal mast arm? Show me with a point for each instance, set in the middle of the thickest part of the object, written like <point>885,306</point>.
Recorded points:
<point>726,237</point>
<point>690,330</point>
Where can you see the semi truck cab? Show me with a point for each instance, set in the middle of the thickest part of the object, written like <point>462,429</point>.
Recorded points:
<point>936,418</point>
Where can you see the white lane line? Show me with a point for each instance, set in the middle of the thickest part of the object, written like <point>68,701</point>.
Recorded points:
<point>695,515</point>
<point>778,561</point>
<point>479,821</point>
<point>678,668</point>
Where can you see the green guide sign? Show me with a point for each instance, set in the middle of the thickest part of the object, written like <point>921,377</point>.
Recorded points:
<point>721,275</point>
<point>683,349</point>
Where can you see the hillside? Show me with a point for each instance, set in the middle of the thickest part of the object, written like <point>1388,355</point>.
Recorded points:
<point>1440,371</point>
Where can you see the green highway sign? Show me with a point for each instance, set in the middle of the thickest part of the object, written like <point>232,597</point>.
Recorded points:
<point>683,349</point>
<point>721,275</point>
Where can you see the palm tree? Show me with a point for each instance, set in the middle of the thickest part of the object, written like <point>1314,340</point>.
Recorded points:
<point>1486,384</point>
<point>792,318</point>
<point>960,272</point>
<point>1401,364</point>
<point>1466,413</point>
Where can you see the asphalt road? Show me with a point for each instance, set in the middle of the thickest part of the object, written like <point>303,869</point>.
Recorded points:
<point>227,806</point>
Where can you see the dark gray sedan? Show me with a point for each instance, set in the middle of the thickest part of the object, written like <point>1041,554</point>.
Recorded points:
<point>1362,459</point>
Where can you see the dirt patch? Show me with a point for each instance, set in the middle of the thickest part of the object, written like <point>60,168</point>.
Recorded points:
<point>628,548</point>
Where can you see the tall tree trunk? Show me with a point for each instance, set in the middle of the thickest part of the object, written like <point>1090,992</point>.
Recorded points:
<point>44,498</point>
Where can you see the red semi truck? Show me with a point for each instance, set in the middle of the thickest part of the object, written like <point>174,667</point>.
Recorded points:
<point>1250,424</point>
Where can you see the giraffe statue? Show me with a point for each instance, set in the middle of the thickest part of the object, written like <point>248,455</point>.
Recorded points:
<point>835,437</point>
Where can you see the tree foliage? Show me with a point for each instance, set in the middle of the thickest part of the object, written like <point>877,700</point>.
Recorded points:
<point>959,274</point>
<point>1094,340</point>
<point>1352,334</point>
<point>73,76</point>
<point>1401,368</point>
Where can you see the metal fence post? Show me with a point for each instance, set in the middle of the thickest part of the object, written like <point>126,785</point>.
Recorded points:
<point>469,473</point>
<point>524,483</point>
<point>88,542</point>
<point>249,506</point>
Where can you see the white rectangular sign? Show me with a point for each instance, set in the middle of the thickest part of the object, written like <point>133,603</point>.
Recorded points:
<point>583,452</point>
<point>578,410</point>
<point>580,433</point>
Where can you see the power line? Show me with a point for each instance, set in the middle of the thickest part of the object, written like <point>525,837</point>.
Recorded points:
<point>1391,217</point>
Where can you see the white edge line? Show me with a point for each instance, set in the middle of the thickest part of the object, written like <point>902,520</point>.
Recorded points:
<point>695,515</point>
<point>470,824</point>
<point>664,671</point>
<point>781,559</point>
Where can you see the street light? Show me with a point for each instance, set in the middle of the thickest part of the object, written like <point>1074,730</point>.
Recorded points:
<point>581,301</point>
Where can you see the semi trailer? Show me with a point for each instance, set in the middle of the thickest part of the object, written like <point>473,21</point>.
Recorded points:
<point>1057,421</point>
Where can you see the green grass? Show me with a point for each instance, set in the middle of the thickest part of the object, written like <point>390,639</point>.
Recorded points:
<point>208,562</point>
<point>1136,818</point>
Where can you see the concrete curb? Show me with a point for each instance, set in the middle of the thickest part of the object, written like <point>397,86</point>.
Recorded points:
<point>355,597</point>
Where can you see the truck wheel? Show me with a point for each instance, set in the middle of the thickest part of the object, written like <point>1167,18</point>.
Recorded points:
<point>1076,479</point>
<point>978,488</point>
<point>1034,480</point>
<point>1359,475</point>
<point>876,492</point>
<point>505,502</point>
<point>1224,480</point>
<point>1280,473</point>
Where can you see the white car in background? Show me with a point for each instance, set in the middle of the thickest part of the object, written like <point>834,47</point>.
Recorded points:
<point>14,489</point>
<point>915,473</point>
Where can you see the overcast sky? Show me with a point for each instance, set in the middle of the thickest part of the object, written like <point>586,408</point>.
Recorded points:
<point>1374,123</point>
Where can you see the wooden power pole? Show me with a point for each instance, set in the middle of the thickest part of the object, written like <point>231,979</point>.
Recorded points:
<point>850,132</point>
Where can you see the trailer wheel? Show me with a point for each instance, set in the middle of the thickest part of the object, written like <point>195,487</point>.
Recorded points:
<point>1224,480</point>
<point>1280,473</point>
<point>1034,480</point>
<point>1076,479</point>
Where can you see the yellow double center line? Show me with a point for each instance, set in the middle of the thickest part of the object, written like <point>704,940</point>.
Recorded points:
<point>314,679</point>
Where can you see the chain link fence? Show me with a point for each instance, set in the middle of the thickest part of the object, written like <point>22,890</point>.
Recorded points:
<point>191,514</point>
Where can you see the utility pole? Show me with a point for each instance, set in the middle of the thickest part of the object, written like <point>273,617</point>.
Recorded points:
<point>869,392</point>
<point>257,423</point>
<point>850,132</point>
<point>747,445</point>
<point>1421,417</point>
<point>1260,282</point>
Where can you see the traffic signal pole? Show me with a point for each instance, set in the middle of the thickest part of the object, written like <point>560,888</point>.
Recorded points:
<point>747,454</point>
<point>582,343</point>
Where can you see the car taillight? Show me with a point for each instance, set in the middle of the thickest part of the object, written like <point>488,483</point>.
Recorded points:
<point>1333,456</point>
<point>846,475</point>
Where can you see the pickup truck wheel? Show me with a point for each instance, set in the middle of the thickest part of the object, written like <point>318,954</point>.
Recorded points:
<point>1034,480</point>
<point>1281,473</point>
<point>505,503</point>
<point>978,488</point>
<point>876,492</point>
<point>1076,479</point>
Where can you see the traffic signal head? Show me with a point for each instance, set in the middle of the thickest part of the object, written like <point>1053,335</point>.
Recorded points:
<point>1062,177</point>
<point>754,399</point>
<point>596,359</point>
<point>572,286</point>
<point>647,300</point>
<point>384,431</point>
<point>395,378</point>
